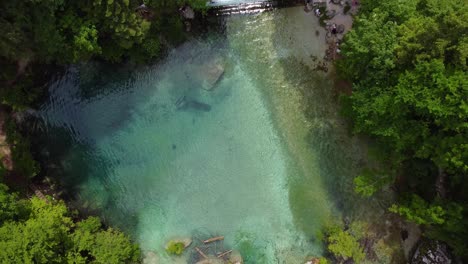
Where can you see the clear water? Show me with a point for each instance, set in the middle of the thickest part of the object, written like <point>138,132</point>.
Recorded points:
<point>258,167</point>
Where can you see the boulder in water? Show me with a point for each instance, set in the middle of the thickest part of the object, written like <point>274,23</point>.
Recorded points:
<point>235,257</point>
<point>210,72</point>
<point>177,246</point>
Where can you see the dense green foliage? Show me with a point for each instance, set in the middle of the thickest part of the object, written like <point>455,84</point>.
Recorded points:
<point>37,34</point>
<point>410,81</point>
<point>23,162</point>
<point>37,231</point>
<point>408,64</point>
<point>443,220</point>
<point>71,31</point>
<point>343,244</point>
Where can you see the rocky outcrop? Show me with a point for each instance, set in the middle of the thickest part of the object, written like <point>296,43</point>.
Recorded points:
<point>340,29</point>
<point>431,252</point>
<point>187,12</point>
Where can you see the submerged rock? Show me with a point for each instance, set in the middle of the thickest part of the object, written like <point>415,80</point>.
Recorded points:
<point>185,104</point>
<point>211,260</point>
<point>236,257</point>
<point>211,72</point>
<point>151,258</point>
<point>186,241</point>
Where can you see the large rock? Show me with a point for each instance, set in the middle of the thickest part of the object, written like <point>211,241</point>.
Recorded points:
<point>330,14</point>
<point>431,252</point>
<point>235,257</point>
<point>211,72</point>
<point>340,29</point>
<point>187,12</point>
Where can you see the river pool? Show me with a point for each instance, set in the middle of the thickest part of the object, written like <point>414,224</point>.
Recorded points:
<point>260,159</point>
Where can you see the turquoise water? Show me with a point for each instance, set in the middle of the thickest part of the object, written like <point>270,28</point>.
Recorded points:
<point>160,156</point>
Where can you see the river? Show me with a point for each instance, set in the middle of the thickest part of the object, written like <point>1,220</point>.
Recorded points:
<point>263,158</point>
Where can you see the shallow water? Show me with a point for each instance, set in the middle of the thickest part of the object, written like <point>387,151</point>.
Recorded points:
<point>248,160</point>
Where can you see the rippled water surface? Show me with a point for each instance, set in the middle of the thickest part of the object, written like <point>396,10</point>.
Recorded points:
<point>159,156</point>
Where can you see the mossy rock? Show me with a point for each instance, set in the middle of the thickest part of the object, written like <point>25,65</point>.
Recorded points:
<point>175,247</point>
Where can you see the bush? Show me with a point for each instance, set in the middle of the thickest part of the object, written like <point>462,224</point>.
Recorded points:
<point>38,231</point>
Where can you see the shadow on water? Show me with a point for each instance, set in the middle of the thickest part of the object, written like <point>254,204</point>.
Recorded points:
<point>61,153</point>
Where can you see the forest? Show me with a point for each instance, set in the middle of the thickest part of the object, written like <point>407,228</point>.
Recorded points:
<point>407,62</point>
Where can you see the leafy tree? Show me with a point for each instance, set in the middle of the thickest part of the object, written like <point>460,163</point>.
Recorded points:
<point>38,231</point>
<point>369,182</point>
<point>10,208</point>
<point>91,244</point>
<point>344,245</point>
<point>40,238</point>
<point>408,64</point>
<point>442,220</point>
<point>369,49</point>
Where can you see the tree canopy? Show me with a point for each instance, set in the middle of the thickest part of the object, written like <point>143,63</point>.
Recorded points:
<point>407,60</point>
<point>38,231</point>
